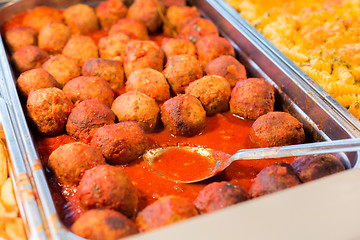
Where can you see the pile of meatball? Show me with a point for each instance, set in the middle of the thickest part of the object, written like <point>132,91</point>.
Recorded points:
<point>108,94</point>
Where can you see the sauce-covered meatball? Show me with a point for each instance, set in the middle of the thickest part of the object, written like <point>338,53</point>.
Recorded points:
<point>40,16</point>
<point>29,57</point>
<point>150,82</point>
<point>213,92</point>
<point>81,19</point>
<point>183,115</point>
<point>120,143</point>
<point>20,36</point>
<point>252,98</point>
<point>100,224</point>
<point>113,47</point>
<point>228,67</point>
<point>178,46</point>
<point>274,178</point>
<point>108,12</point>
<point>53,37</point>
<point>198,28</point>
<point>181,70</point>
<point>165,211</point>
<point>137,107</point>
<point>89,87</point>
<point>62,68</point>
<point>134,28</point>
<point>312,167</point>
<point>117,191</point>
<point>86,118</point>
<point>277,129</point>
<point>48,109</point>
<point>219,195</point>
<point>80,48</point>
<point>70,161</point>
<point>177,17</point>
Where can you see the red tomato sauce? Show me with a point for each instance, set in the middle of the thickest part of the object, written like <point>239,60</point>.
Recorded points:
<point>14,21</point>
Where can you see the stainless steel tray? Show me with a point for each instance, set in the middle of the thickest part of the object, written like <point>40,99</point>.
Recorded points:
<point>321,120</point>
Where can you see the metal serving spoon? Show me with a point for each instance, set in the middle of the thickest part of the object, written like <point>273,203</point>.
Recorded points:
<point>221,160</point>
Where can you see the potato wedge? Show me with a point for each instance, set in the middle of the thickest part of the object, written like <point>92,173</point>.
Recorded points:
<point>8,197</point>
<point>3,163</point>
<point>15,229</point>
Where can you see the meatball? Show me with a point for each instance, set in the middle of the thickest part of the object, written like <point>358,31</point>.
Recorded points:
<point>313,167</point>
<point>116,192</point>
<point>81,19</point>
<point>211,47</point>
<point>277,129</point>
<point>29,57</point>
<point>70,161</point>
<point>109,12</point>
<point>181,70</point>
<point>252,98</point>
<point>137,107</point>
<point>113,47</point>
<point>120,143</point>
<point>109,70</point>
<point>142,54</point>
<point>35,79</point>
<point>80,48</point>
<point>48,109</point>
<point>53,37</point>
<point>165,211</point>
<point>274,178</point>
<point>219,195</point>
<point>228,67</point>
<point>86,118</point>
<point>148,12</point>
<point>99,224</point>
<point>89,87</point>
<point>177,17</point>
<point>134,28</point>
<point>20,36</point>
<point>178,46</point>
<point>150,82</point>
<point>213,92</point>
<point>40,16</point>
<point>198,28</point>
<point>183,115</point>
<point>62,68</point>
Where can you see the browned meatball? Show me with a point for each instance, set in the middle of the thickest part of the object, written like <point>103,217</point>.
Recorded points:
<point>100,224</point>
<point>109,70</point>
<point>137,107</point>
<point>113,47</point>
<point>252,98</point>
<point>134,28</point>
<point>178,46</point>
<point>165,211</point>
<point>20,36</point>
<point>89,87</point>
<point>108,187</point>
<point>29,57</point>
<point>62,68</point>
<point>213,92</point>
<point>48,109</point>
<point>53,37</point>
<point>70,161</point>
<point>109,12</point>
<point>35,79</point>
<point>219,195</point>
<point>80,48</point>
<point>317,166</point>
<point>151,82</point>
<point>183,115</point>
<point>86,118</point>
<point>274,178</point>
<point>177,17</point>
<point>277,129</point>
<point>228,67</point>
<point>198,28</point>
<point>211,47</point>
<point>81,19</point>
<point>147,11</point>
<point>120,143</point>
<point>40,16</point>
<point>142,54</point>
<point>181,70</point>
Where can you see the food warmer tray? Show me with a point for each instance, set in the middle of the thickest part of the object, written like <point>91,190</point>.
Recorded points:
<point>321,122</point>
